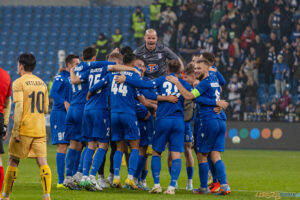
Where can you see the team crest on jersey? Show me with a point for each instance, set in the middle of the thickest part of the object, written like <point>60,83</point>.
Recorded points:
<point>152,67</point>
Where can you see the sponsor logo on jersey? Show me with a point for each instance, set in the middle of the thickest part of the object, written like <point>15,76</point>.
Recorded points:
<point>152,67</point>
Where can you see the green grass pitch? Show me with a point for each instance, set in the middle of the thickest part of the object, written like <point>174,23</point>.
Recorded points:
<point>248,172</point>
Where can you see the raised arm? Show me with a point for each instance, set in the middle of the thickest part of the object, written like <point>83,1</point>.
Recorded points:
<point>74,79</point>
<point>135,82</point>
<point>184,92</point>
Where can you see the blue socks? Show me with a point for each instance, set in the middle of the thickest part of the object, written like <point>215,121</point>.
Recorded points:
<point>155,168</point>
<point>77,161</point>
<point>203,172</point>
<point>87,162</point>
<point>175,171</point>
<point>80,167</point>
<point>144,174</point>
<point>220,172</point>
<point>97,162</point>
<point>117,162</point>
<point>212,169</point>
<point>60,163</point>
<point>70,161</point>
<point>170,169</point>
<point>190,172</point>
<point>140,166</point>
<point>134,157</point>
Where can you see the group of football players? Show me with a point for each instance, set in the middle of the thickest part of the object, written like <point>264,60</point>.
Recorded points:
<point>133,101</point>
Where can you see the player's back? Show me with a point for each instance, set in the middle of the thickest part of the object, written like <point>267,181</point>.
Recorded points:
<point>167,109</point>
<point>122,96</point>
<point>100,99</point>
<point>34,93</point>
<point>62,79</point>
<point>213,91</point>
<point>79,91</point>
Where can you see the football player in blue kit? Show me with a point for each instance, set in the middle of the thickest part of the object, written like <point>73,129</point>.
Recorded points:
<point>211,140</point>
<point>96,123</point>
<point>124,125</point>
<point>213,71</point>
<point>169,126</point>
<point>60,92</point>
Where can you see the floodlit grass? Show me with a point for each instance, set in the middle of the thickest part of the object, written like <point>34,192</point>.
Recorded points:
<point>248,172</point>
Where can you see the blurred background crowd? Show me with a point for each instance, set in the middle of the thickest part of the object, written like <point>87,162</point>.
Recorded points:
<point>256,44</point>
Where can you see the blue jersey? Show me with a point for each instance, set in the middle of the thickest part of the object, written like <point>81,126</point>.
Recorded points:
<point>122,96</point>
<point>210,88</point>
<point>79,91</point>
<point>164,88</point>
<point>60,91</point>
<point>222,82</point>
<point>100,99</point>
<point>82,70</point>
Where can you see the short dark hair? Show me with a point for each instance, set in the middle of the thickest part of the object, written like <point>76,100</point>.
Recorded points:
<point>28,61</point>
<point>209,57</point>
<point>70,58</point>
<point>115,56</point>
<point>174,66</point>
<point>189,69</point>
<point>206,62</point>
<point>126,50</point>
<point>128,58</point>
<point>88,53</point>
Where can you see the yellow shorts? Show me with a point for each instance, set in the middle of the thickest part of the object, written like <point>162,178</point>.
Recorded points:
<point>28,147</point>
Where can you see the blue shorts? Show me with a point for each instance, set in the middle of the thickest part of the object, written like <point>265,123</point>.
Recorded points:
<point>188,136</point>
<point>58,127</point>
<point>96,125</point>
<point>146,130</point>
<point>169,130</point>
<point>211,137</point>
<point>74,123</point>
<point>124,127</point>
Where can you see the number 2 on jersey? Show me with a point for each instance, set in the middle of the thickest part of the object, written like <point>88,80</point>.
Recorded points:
<point>115,88</point>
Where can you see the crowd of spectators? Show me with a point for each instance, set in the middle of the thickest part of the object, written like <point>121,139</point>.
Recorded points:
<point>256,44</point>
<point>257,49</point>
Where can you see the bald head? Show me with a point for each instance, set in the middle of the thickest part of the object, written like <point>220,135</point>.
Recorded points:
<point>150,39</point>
<point>151,31</point>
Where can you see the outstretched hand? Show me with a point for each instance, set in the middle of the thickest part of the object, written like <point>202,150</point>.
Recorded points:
<point>120,79</point>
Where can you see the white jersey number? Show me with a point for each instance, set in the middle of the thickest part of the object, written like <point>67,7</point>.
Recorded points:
<point>169,87</point>
<point>118,88</point>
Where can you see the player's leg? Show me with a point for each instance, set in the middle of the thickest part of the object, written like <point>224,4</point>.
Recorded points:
<point>10,175</point>
<point>61,163</point>
<point>132,163</point>
<point>176,147</point>
<point>140,167</point>
<point>45,172</point>
<point>205,140</point>
<point>216,159</point>
<point>156,168</point>
<point>188,143</point>
<point>159,142</point>
<point>117,135</point>
<point>215,185</point>
<point>38,150</point>
<point>16,151</point>
<point>97,162</point>
<point>58,128</point>
<point>1,152</point>
<point>117,163</point>
<point>189,164</point>
<point>78,175</point>
<point>87,162</point>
